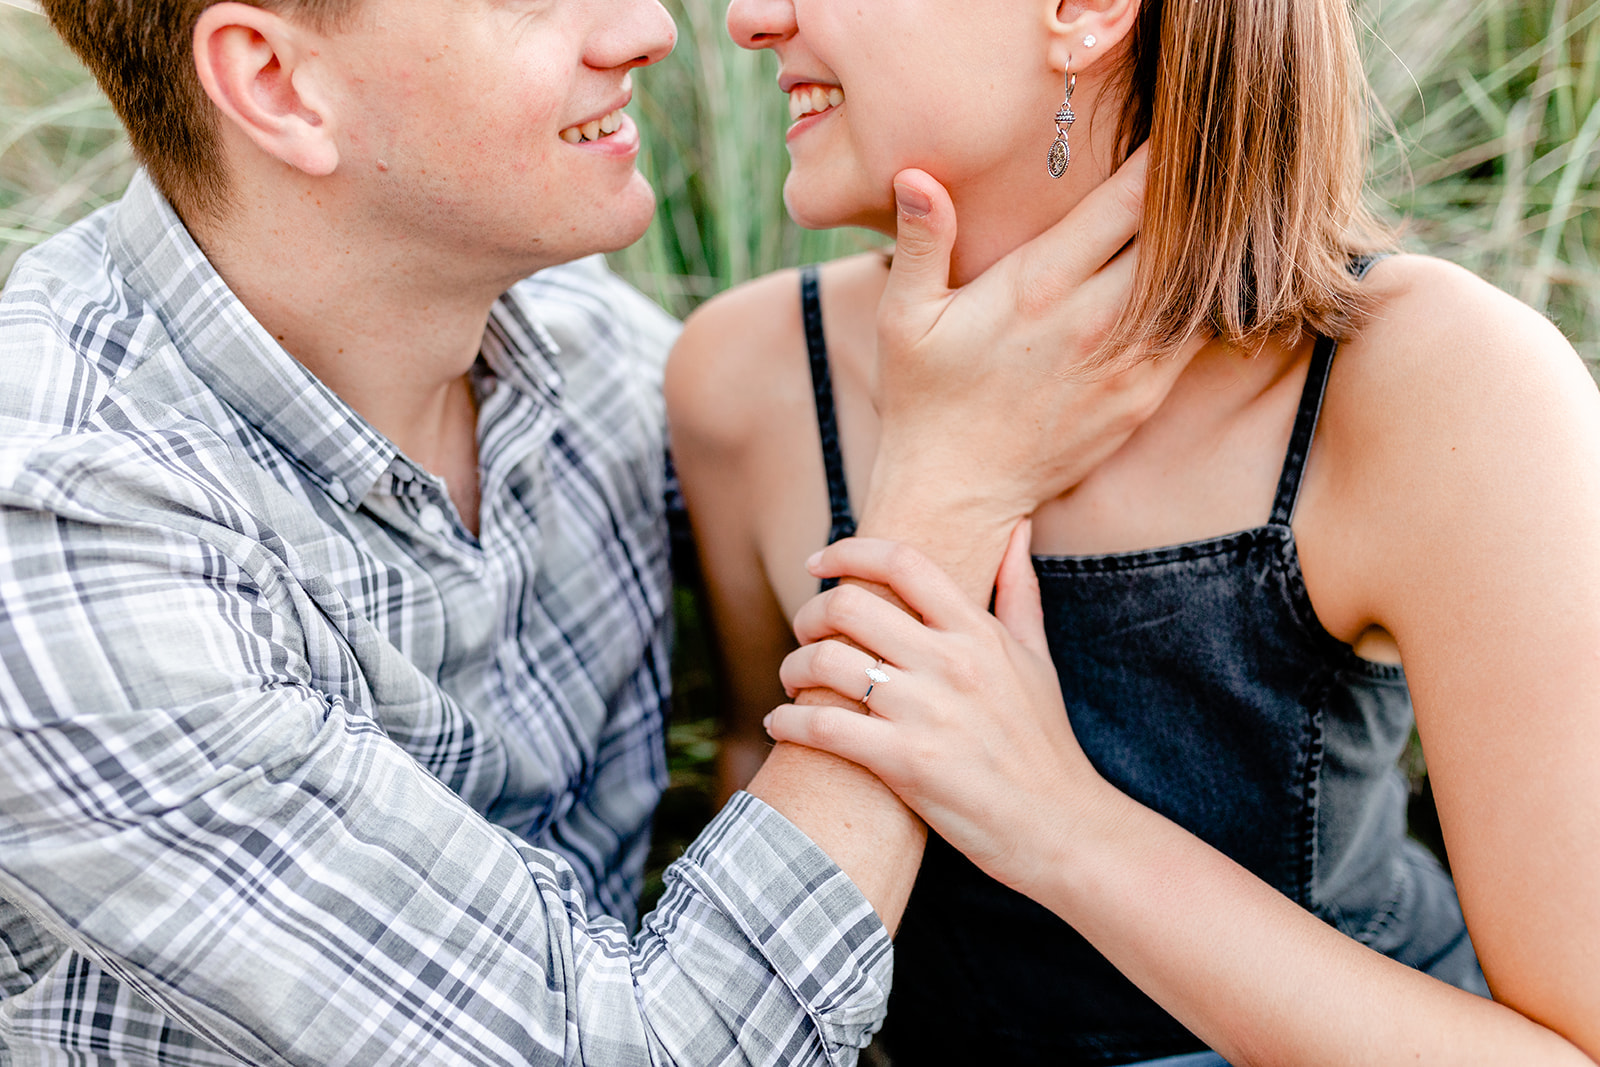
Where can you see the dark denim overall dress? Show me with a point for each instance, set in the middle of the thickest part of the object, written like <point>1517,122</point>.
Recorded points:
<point>1200,682</point>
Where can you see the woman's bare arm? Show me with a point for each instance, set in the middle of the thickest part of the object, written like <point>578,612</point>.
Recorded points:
<point>740,437</point>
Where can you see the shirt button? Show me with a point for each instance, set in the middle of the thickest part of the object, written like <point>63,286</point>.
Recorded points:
<point>337,492</point>
<point>432,518</point>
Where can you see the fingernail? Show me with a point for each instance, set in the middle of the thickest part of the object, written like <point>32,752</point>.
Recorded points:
<point>814,561</point>
<point>766,723</point>
<point>912,202</point>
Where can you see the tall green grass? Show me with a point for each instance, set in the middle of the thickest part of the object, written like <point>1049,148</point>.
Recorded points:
<point>1496,106</point>
<point>62,151</point>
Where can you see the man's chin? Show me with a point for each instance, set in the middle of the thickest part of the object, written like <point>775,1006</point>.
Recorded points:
<point>614,227</point>
<point>622,220</point>
<point>630,229</point>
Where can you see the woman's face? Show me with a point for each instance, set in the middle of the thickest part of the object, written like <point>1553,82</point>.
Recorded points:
<point>960,88</point>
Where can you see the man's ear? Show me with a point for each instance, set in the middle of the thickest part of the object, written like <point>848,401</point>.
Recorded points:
<point>1088,30</point>
<point>253,64</point>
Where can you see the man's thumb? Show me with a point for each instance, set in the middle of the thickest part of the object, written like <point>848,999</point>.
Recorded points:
<point>924,235</point>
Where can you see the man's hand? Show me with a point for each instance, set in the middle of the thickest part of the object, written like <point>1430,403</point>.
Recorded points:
<point>996,397</point>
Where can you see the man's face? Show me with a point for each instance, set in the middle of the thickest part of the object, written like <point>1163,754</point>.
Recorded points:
<point>466,127</point>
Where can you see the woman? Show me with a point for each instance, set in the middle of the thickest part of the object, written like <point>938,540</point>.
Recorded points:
<point>1207,848</point>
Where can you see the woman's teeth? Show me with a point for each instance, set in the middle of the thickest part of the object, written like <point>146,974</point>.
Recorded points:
<point>593,130</point>
<point>813,99</point>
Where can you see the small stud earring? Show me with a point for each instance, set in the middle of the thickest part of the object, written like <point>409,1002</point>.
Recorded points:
<point>1089,41</point>
<point>1060,152</point>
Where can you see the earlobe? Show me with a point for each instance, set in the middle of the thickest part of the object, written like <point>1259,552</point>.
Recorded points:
<point>251,63</point>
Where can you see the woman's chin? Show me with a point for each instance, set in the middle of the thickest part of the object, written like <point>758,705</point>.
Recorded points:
<point>812,210</point>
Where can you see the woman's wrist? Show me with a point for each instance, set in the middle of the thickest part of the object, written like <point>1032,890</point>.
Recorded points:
<point>1075,840</point>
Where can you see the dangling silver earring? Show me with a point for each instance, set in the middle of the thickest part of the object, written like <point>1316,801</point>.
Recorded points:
<point>1060,151</point>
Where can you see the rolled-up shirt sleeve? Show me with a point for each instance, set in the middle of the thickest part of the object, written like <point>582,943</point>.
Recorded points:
<point>184,804</point>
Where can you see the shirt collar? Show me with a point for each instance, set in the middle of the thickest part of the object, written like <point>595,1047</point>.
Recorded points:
<point>520,352</point>
<point>232,353</point>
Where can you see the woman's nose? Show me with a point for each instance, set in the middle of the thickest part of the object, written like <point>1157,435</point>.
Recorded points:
<point>760,23</point>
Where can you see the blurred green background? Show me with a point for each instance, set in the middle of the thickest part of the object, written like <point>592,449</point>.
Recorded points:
<point>1486,123</point>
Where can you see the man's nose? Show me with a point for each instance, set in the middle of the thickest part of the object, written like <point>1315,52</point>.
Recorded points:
<point>640,35</point>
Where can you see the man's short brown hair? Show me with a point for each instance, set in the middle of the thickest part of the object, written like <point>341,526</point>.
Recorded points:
<point>141,53</point>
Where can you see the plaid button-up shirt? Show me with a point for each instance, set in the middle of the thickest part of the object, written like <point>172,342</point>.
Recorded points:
<point>295,769</point>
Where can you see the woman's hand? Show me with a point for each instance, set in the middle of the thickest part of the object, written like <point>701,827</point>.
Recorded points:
<point>968,727</point>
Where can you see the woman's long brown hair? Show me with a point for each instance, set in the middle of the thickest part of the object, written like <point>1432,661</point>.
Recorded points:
<point>1255,111</point>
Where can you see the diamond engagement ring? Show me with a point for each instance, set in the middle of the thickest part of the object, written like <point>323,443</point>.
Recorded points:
<point>876,678</point>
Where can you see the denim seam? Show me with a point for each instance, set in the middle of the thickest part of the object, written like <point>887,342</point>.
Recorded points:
<point>1385,916</point>
<point>1286,559</point>
<point>1341,655</point>
<point>1312,702</point>
<point>1112,563</point>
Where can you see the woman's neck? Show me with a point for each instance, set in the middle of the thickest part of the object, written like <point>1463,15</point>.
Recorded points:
<point>998,213</point>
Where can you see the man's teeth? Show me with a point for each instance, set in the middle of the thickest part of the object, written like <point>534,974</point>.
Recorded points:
<point>813,99</point>
<point>594,129</point>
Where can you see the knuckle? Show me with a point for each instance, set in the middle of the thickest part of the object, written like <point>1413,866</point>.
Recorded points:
<point>966,678</point>
<point>965,671</point>
<point>958,671</point>
<point>826,613</point>
<point>811,615</point>
<point>1128,198</point>
<point>826,729</point>
<point>844,607</point>
<point>1040,292</point>
<point>904,563</point>
<point>915,243</point>
<point>992,641</point>
<point>832,657</point>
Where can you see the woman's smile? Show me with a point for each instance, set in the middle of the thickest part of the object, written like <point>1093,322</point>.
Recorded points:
<point>813,100</point>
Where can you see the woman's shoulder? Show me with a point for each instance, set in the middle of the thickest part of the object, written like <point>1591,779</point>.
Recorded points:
<point>1455,407</point>
<point>1443,349</point>
<point>742,354</point>
<point>1429,316</point>
<point>724,366</point>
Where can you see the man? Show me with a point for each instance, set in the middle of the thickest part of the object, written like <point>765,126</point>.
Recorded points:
<point>334,581</point>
